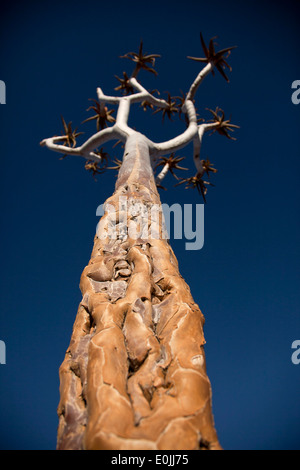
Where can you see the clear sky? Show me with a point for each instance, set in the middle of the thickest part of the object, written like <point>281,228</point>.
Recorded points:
<point>53,55</point>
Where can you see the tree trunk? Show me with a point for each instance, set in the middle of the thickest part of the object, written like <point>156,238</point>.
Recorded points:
<point>134,375</point>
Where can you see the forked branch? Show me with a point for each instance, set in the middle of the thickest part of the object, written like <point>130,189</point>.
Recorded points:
<point>117,128</point>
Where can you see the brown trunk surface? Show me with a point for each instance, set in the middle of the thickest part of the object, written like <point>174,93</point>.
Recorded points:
<point>134,375</point>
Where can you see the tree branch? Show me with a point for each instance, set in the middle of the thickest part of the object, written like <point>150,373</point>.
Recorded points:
<point>183,139</point>
<point>197,141</point>
<point>121,131</point>
<point>190,133</point>
<point>86,149</point>
<point>200,77</point>
<point>162,174</point>
<point>144,94</point>
<point>107,99</point>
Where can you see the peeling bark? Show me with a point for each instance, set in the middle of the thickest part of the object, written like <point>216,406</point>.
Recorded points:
<point>134,375</point>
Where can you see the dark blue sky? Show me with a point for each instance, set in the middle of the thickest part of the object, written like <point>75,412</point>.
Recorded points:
<point>245,279</point>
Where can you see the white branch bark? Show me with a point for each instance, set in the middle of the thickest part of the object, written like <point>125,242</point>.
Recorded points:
<point>107,99</point>
<point>175,144</point>
<point>197,141</point>
<point>194,87</point>
<point>86,150</point>
<point>121,131</point>
<point>145,95</point>
<point>193,129</point>
<point>162,174</point>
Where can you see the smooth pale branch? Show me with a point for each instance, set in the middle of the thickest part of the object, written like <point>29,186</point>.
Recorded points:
<point>121,131</point>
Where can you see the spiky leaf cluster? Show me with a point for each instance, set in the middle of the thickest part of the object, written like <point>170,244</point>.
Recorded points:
<point>224,125</point>
<point>218,59</point>
<point>103,115</point>
<point>198,183</point>
<point>141,60</point>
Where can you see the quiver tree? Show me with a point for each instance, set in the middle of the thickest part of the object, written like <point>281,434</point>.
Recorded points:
<point>134,375</point>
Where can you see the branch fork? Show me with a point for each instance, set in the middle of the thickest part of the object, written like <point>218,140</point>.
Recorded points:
<point>121,131</point>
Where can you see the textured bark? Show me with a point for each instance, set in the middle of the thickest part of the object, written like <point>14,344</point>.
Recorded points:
<point>134,375</point>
